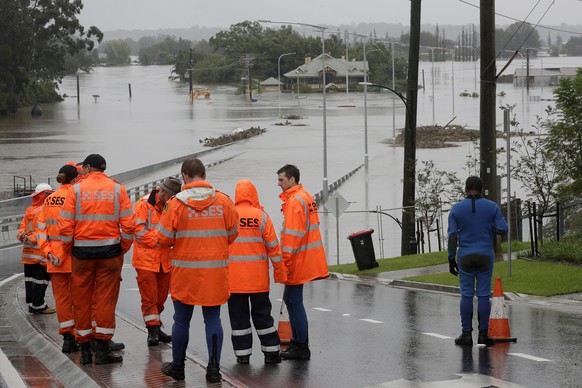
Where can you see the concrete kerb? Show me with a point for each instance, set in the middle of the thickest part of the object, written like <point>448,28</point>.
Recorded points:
<point>557,302</point>
<point>39,344</point>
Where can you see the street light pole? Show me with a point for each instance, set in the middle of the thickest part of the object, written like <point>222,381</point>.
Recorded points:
<point>279,77</point>
<point>325,191</point>
<point>393,100</point>
<point>365,108</point>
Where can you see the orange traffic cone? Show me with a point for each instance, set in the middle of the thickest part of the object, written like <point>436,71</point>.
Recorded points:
<point>284,328</point>
<point>498,321</point>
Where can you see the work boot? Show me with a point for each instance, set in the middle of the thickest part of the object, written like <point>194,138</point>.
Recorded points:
<point>272,357</point>
<point>213,374</point>
<point>484,338</point>
<point>175,372</point>
<point>86,354</point>
<point>114,346</point>
<point>104,355</point>
<point>296,351</point>
<point>153,338</point>
<point>69,343</point>
<point>165,338</point>
<point>243,359</point>
<point>46,310</point>
<point>465,339</point>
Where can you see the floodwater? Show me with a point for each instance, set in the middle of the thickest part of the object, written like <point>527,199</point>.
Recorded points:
<point>159,123</point>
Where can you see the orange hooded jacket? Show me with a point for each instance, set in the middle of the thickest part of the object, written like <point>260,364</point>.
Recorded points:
<point>248,263</point>
<point>301,243</point>
<point>148,254</point>
<point>94,212</point>
<point>48,233</point>
<point>200,222</point>
<point>31,252</point>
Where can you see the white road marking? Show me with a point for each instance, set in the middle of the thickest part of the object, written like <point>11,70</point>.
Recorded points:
<point>346,315</point>
<point>370,320</point>
<point>132,289</point>
<point>320,309</point>
<point>438,335</point>
<point>527,356</point>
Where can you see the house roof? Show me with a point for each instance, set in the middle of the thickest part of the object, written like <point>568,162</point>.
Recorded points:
<point>340,66</point>
<point>546,72</point>
<point>271,81</point>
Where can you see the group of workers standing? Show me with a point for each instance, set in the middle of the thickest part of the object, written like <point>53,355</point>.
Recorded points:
<point>189,240</point>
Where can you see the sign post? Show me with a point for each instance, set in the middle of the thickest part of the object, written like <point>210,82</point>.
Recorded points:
<point>336,205</point>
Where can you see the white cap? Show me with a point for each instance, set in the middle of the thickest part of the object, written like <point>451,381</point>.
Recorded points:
<point>41,188</point>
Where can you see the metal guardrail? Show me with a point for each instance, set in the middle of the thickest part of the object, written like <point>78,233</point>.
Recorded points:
<point>9,225</point>
<point>318,197</point>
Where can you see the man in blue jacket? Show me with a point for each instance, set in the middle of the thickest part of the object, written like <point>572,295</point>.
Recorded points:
<point>473,223</point>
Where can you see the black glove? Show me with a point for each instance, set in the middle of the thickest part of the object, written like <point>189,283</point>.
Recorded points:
<point>453,267</point>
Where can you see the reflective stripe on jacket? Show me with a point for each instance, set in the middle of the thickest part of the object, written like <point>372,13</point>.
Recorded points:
<point>200,222</point>
<point>48,232</point>
<point>94,211</point>
<point>31,252</point>
<point>147,253</point>
<point>301,242</point>
<point>248,264</point>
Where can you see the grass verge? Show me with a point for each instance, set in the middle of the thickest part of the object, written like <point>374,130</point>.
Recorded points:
<point>528,277</point>
<point>412,261</point>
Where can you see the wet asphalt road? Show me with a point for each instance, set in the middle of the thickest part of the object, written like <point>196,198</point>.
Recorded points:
<point>363,335</point>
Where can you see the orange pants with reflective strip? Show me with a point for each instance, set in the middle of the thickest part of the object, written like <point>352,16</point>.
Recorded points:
<point>62,287</point>
<point>98,280</point>
<point>153,288</point>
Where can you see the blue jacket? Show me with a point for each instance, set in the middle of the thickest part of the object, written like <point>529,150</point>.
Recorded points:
<point>474,221</point>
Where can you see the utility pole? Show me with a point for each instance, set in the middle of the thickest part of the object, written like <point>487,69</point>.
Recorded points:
<point>527,70</point>
<point>190,75</point>
<point>408,242</point>
<point>487,121</point>
<point>488,146</point>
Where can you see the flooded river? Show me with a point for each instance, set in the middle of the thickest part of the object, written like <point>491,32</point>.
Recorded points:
<point>159,123</point>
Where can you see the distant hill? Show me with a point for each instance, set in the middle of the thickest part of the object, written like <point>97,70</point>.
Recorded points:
<point>194,33</point>
<point>379,30</point>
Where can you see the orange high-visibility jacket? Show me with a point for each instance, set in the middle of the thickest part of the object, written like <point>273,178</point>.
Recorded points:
<point>148,254</point>
<point>31,252</point>
<point>94,211</point>
<point>200,222</point>
<point>248,263</point>
<point>301,243</point>
<point>48,233</point>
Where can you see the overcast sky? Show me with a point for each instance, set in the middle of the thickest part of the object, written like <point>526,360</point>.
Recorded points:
<point>153,14</point>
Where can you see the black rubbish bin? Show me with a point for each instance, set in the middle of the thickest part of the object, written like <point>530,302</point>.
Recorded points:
<point>363,249</point>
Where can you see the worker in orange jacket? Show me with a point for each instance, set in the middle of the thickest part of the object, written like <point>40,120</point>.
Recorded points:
<point>36,278</point>
<point>97,226</point>
<point>303,255</point>
<point>151,260</point>
<point>200,223</point>
<point>248,277</point>
<point>59,262</point>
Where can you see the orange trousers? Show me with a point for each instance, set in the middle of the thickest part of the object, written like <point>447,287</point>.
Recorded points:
<point>62,287</point>
<point>153,288</point>
<point>96,280</point>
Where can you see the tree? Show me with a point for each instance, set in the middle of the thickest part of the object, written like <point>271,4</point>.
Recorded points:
<point>35,39</point>
<point>574,46</point>
<point>515,36</point>
<point>564,139</point>
<point>434,189</point>
<point>117,52</point>
<point>532,165</point>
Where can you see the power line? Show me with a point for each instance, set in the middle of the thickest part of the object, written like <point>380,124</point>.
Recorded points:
<point>519,20</point>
